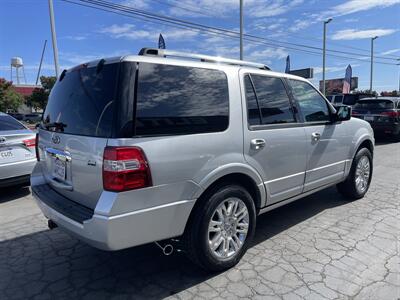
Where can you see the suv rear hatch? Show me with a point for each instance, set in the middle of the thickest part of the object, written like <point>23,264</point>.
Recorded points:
<point>376,110</point>
<point>77,122</point>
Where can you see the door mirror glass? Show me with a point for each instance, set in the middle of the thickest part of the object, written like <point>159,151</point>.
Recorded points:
<point>343,113</point>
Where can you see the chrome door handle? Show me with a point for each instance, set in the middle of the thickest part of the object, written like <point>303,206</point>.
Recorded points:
<point>315,136</point>
<point>257,144</point>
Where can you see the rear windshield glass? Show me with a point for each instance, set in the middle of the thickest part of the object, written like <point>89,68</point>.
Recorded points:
<point>82,102</point>
<point>180,100</point>
<point>9,123</point>
<point>375,104</point>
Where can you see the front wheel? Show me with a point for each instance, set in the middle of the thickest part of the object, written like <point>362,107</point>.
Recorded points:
<point>358,181</point>
<point>221,228</point>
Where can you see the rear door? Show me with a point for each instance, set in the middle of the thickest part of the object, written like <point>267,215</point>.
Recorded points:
<point>76,125</point>
<point>327,143</point>
<point>274,142</point>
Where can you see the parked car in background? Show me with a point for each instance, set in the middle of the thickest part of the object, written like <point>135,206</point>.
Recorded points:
<point>17,151</point>
<point>343,99</point>
<point>17,116</point>
<point>32,118</point>
<point>383,113</point>
<point>146,148</point>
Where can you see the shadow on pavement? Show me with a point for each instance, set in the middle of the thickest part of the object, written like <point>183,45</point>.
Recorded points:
<point>53,264</point>
<point>13,192</point>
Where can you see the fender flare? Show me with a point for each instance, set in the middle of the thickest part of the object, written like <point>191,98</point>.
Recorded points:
<point>233,168</point>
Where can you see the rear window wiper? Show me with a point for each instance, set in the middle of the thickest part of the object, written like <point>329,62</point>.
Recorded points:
<point>56,125</point>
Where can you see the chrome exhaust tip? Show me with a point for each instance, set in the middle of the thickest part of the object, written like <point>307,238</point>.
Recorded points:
<point>51,224</point>
<point>167,250</point>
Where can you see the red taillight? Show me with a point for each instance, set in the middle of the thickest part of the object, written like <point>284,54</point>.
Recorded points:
<point>392,114</point>
<point>31,143</point>
<point>354,113</point>
<point>125,168</point>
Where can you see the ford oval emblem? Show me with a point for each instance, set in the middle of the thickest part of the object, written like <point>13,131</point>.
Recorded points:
<point>56,139</point>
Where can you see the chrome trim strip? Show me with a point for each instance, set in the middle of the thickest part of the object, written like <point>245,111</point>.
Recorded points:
<point>142,210</point>
<point>61,155</point>
<point>327,166</point>
<point>284,177</point>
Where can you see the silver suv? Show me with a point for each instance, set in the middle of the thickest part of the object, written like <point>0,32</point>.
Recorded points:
<point>190,148</point>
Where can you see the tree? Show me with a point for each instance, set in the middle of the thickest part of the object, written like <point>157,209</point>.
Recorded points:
<point>40,96</point>
<point>366,92</point>
<point>390,94</point>
<point>9,98</point>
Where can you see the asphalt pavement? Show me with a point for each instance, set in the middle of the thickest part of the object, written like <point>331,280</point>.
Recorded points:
<point>319,247</point>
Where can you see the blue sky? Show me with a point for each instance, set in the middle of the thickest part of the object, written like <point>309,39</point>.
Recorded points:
<point>84,33</point>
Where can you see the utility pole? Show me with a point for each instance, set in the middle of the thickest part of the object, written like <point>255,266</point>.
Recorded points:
<point>324,55</point>
<point>372,62</point>
<point>41,61</point>
<point>53,37</point>
<point>241,29</point>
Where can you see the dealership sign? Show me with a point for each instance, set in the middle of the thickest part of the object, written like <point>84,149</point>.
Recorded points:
<point>336,85</point>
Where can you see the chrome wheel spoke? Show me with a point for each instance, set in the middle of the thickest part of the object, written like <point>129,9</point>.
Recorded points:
<point>216,242</point>
<point>227,228</point>
<point>362,174</point>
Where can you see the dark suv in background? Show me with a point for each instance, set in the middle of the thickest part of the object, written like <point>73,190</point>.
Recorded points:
<point>383,113</point>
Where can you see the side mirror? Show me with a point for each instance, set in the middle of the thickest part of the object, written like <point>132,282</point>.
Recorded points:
<point>343,113</point>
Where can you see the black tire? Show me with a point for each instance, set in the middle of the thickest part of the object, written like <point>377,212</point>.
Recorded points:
<point>348,187</point>
<point>196,237</point>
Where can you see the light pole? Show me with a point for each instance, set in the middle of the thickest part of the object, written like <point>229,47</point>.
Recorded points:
<point>53,37</point>
<point>241,29</point>
<point>323,55</point>
<point>372,62</point>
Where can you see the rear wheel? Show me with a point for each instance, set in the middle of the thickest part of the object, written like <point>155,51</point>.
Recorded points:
<point>221,228</point>
<point>357,182</point>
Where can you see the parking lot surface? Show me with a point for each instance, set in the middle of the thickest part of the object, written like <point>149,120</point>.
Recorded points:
<point>320,247</point>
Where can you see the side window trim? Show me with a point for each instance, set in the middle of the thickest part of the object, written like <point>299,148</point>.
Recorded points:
<point>292,103</point>
<point>258,104</point>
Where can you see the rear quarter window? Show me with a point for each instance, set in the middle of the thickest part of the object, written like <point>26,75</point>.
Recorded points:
<point>9,123</point>
<point>180,100</point>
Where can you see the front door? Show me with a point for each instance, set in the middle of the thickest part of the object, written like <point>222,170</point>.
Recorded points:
<point>274,141</point>
<point>327,142</point>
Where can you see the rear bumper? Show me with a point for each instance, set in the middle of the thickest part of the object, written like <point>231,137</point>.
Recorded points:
<point>14,181</point>
<point>114,232</point>
<point>16,171</point>
<point>383,129</point>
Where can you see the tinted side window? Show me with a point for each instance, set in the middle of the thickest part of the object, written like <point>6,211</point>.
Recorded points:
<point>9,123</point>
<point>273,100</point>
<point>313,107</point>
<point>253,112</point>
<point>180,100</point>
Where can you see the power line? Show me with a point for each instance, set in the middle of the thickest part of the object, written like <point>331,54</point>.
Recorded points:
<point>154,18</point>
<point>196,25</point>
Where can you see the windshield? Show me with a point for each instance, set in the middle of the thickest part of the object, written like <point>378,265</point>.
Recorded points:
<point>81,102</point>
<point>374,104</point>
<point>9,123</point>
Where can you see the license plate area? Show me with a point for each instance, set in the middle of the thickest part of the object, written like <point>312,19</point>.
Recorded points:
<point>59,169</point>
<point>369,118</point>
<point>6,154</point>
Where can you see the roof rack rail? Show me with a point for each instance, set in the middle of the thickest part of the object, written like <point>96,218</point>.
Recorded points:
<point>201,57</point>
